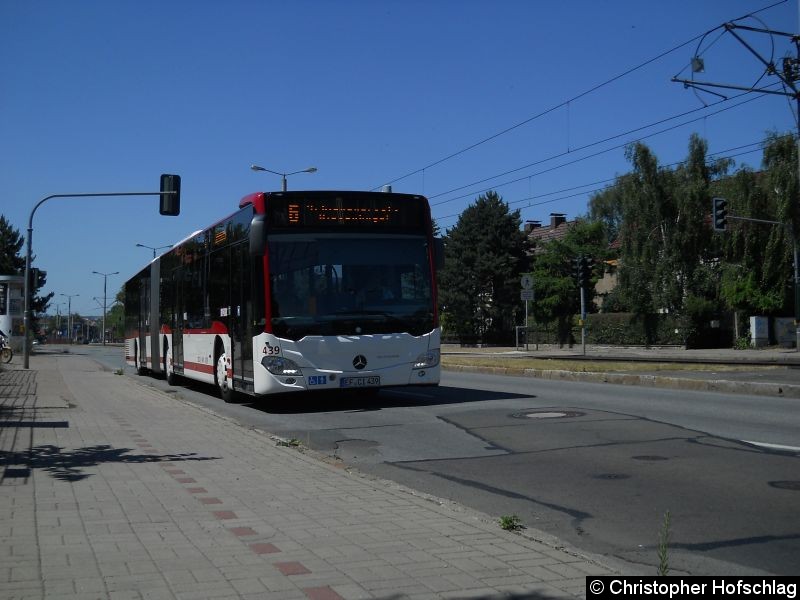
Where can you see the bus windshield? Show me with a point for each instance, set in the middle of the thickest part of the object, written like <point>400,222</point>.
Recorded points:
<point>338,284</point>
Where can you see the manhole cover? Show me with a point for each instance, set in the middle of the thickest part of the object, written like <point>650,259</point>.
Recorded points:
<point>611,476</point>
<point>793,486</point>
<point>652,458</point>
<point>548,414</point>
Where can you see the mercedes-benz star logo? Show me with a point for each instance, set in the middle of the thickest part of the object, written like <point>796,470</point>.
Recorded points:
<point>359,362</point>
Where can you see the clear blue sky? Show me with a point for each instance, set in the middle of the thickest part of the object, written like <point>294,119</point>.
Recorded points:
<point>100,96</point>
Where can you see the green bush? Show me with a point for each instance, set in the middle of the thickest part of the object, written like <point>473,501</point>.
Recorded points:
<point>628,329</point>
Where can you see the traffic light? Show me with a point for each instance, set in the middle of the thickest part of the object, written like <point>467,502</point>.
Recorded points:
<point>582,270</point>
<point>719,214</point>
<point>576,269</point>
<point>33,279</point>
<point>170,203</point>
<point>586,270</point>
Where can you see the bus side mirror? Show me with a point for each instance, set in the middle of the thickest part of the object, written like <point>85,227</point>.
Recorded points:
<point>258,236</point>
<point>438,251</point>
<point>170,203</point>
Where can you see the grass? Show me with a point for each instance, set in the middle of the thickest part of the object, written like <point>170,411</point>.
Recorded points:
<point>589,366</point>
<point>292,443</point>
<point>511,523</point>
<point>663,545</point>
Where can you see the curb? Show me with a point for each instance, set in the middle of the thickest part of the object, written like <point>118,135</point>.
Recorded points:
<point>711,385</point>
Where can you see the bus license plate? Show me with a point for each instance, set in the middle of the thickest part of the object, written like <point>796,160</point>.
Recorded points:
<point>349,382</point>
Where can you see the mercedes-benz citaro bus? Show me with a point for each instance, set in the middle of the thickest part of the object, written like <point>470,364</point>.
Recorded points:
<point>297,291</point>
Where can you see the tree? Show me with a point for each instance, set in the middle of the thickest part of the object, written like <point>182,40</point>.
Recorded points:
<point>556,289</point>
<point>13,263</point>
<point>666,248</point>
<point>115,318</point>
<point>757,257</point>
<point>479,284</point>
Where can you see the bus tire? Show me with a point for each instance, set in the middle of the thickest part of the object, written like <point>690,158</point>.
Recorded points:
<point>137,359</point>
<point>169,369</point>
<point>221,377</point>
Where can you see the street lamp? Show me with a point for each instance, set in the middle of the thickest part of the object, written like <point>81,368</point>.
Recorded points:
<point>105,280</point>
<point>283,175</point>
<point>69,313</point>
<point>153,249</point>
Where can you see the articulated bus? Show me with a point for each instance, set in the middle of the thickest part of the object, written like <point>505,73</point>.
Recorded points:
<point>296,291</point>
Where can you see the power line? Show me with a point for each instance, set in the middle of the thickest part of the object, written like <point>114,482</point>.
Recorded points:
<point>566,102</point>
<point>603,182</point>
<point>588,156</point>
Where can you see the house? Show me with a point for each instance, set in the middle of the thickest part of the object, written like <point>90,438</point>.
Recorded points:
<point>541,235</point>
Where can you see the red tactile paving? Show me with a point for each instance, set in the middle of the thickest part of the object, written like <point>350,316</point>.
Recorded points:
<point>224,514</point>
<point>291,568</point>
<point>321,593</point>
<point>262,548</point>
<point>242,531</point>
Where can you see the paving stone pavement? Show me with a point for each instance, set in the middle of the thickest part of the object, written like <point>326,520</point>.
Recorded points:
<point>113,490</point>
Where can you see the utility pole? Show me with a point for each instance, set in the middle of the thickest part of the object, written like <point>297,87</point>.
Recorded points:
<point>789,75</point>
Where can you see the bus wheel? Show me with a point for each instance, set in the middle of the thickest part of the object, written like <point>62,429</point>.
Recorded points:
<point>137,360</point>
<point>172,379</point>
<point>223,381</point>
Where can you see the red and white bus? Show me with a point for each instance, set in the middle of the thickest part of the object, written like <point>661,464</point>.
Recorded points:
<point>296,291</point>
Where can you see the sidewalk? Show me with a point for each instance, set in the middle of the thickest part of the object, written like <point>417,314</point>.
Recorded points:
<point>114,490</point>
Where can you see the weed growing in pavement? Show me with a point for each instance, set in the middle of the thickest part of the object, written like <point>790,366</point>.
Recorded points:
<point>511,523</point>
<point>118,372</point>
<point>663,545</point>
<point>292,443</point>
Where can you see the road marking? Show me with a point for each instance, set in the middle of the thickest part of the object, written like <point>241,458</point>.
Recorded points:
<point>795,449</point>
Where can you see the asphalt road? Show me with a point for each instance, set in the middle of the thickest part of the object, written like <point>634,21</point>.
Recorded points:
<point>596,465</point>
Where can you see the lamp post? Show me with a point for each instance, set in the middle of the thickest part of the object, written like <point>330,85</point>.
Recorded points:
<point>153,249</point>
<point>283,175</point>
<point>105,280</point>
<point>69,313</point>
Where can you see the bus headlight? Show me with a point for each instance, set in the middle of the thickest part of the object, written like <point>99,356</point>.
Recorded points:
<point>427,360</point>
<point>278,365</point>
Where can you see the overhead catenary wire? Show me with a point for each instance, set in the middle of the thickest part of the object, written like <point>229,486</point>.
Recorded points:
<point>585,157</point>
<point>568,101</point>
<point>603,183</point>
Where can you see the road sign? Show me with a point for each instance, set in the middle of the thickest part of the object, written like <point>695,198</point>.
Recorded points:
<point>526,282</point>
<point>526,295</point>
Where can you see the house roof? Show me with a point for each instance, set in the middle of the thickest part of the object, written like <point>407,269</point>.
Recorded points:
<point>558,228</point>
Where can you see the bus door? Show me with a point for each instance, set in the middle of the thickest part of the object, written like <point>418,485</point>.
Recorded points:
<point>178,320</point>
<point>241,320</point>
<point>144,323</point>
<point>219,297</point>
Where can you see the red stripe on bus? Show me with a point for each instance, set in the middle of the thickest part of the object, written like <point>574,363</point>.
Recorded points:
<point>199,367</point>
<point>216,328</point>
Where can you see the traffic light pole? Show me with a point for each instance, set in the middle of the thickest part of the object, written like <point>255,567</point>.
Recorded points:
<point>26,344</point>
<point>583,319</point>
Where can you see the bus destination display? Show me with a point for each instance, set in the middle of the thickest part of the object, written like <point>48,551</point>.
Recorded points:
<point>367,211</point>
